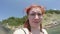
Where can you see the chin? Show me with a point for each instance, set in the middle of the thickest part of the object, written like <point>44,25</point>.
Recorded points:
<point>34,25</point>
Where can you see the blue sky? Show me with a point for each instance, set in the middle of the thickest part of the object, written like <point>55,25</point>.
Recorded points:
<point>15,8</point>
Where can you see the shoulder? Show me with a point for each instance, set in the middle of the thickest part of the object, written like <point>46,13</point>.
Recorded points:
<point>44,30</point>
<point>20,31</point>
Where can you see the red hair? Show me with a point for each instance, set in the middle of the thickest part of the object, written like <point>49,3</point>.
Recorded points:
<point>35,6</point>
<point>26,24</point>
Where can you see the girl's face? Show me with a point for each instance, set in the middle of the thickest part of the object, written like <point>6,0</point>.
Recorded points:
<point>35,17</point>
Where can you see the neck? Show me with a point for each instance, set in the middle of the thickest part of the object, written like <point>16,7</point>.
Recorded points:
<point>35,28</point>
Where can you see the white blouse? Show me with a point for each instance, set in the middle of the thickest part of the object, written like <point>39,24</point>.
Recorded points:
<point>20,31</point>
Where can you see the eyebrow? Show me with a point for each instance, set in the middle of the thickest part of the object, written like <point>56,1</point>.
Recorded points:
<point>35,12</point>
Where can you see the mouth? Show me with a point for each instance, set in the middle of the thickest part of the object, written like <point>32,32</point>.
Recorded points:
<point>35,21</point>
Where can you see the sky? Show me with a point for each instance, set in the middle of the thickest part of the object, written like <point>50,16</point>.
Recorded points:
<point>15,8</point>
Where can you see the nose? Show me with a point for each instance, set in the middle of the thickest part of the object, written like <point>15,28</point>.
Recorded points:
<point>36,17</point>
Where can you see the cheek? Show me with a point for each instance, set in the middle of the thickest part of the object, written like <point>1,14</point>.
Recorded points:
<point>41,17</point>
<point>30,19</point>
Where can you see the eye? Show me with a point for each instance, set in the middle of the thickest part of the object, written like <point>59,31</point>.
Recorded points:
<point>32,14</point>
<point>39,14</point>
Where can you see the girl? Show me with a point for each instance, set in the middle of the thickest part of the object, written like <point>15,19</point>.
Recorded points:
<point>33,25</point>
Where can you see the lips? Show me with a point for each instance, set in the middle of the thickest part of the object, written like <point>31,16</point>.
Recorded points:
<point>36,21</point>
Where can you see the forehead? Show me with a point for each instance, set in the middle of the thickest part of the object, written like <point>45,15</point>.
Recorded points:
<point>35,10</point>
